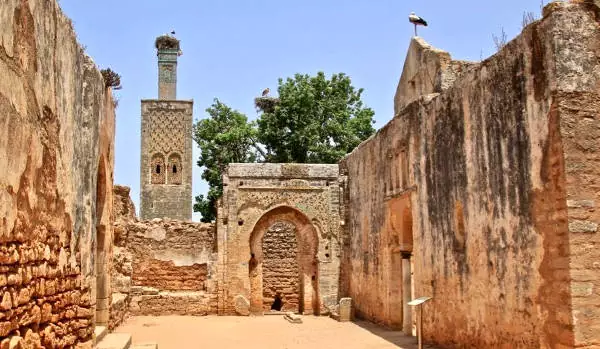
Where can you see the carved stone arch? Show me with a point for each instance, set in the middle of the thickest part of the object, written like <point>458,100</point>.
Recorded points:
<point>307,248</point>
<point>157,169</point>
<point>174,169</point>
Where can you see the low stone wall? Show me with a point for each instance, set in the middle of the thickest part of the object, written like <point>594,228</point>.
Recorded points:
<point>173,261</point>
<point>119,309</point>
<point>151,301</point>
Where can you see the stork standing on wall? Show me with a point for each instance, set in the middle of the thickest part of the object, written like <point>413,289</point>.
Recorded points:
<point>416,20</point>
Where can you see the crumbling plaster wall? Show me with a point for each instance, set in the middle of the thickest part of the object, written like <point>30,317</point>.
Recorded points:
<point>160,267</point>
<point>487,167</point>
<point>256,195</point>
<point>56,132</point>
<point>121,267</point>
<point>172,267</point>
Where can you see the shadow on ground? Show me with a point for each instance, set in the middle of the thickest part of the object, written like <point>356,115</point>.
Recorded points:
<point>395,337</point>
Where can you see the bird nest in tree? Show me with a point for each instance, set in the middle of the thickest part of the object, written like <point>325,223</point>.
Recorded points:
<point>266,104</point>
<point>166,42</point>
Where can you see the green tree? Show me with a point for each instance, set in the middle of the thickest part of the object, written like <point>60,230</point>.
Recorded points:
<point>224,137</point>
<point>316,120</point>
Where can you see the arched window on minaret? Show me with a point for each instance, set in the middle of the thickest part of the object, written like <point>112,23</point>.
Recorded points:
<point>175,170</point>
<point>157,168</point>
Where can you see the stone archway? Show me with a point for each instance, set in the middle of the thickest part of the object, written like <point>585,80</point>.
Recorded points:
<point>256,196</point>
<point>307,262</point>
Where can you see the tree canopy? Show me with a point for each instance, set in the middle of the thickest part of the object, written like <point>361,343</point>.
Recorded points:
<point>313,120</point>
<point>224,137</point>
<point>317,120</point>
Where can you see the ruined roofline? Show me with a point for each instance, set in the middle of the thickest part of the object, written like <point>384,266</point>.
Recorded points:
<point>414,105</point>
<point>471,68</point>
<point>426,70</point>
<point>188,101</point>
<point>425,45</point>
<point>282,170</point>
<point>446,71</point>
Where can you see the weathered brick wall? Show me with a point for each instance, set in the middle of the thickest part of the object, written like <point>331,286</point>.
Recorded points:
<point>280,266</point>
<point>582,155</point>
<point>123,207</point>
<point>173,263</point>
<point>165,275</point>
<point>56,139</point>
<point>483,171</point>
<point>578,108</point>
<point>160,267</point>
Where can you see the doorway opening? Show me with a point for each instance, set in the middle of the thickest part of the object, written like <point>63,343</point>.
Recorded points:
<point>284,246</point>
<point>277,303</point>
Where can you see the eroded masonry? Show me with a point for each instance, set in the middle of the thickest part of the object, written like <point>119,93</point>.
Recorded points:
<point>481,192</point>
<point>56,176</point>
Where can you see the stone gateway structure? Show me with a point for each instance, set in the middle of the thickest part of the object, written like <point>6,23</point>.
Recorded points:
<point>481,192</point>
<point>257,200</point>
<point>166,151</point>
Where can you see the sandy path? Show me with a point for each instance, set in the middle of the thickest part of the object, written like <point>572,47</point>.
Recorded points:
<point>266,332</point>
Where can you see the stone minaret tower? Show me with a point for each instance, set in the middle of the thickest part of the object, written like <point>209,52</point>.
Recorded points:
<point>166,156</point>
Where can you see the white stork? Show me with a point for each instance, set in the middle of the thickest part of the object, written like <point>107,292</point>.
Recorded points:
<point>416,20</point>
<point>265,92</point>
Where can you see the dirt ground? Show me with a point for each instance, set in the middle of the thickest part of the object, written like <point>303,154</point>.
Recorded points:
<point>265,332</point>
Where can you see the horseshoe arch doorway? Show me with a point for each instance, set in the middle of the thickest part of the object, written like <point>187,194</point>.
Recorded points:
<point>266,258</point>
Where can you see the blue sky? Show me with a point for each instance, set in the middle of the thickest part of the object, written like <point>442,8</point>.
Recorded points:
<point>233,49</point>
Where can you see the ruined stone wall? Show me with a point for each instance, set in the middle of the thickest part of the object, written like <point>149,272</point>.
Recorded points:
<point>121,267</point>
<point>484,170</point>
<point>426,70</point>
<point>123,207</point>
<point>380,193</point>
<point>56,137</point>
<point>578,108</point>
<point>173,267</point>
<point>104,214</point>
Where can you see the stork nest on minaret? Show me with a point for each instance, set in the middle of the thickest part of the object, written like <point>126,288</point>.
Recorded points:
<point>266,104</point>
<point>166,42</point>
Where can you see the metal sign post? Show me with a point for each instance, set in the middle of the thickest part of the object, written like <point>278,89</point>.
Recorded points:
<point>419,303</point>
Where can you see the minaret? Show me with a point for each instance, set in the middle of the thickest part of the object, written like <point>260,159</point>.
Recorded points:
<point>168,51</point>
<point>166,149</point>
